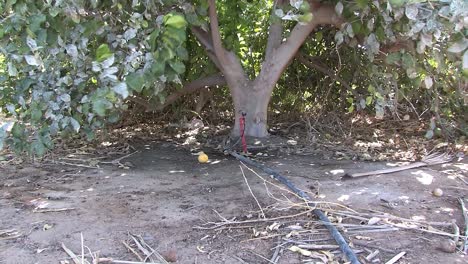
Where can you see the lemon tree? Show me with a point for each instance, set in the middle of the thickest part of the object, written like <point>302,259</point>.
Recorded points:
<point>72,67</point>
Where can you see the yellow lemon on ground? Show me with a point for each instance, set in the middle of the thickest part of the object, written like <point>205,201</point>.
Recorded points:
<point>202,157</point>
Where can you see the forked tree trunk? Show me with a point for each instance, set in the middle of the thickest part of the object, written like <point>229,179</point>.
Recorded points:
<point>252,96</point>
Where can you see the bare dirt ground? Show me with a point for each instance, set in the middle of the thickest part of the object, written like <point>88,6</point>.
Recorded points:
<point>166,196</point>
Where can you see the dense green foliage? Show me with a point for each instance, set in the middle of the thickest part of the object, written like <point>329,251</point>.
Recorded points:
<point>71,66</point>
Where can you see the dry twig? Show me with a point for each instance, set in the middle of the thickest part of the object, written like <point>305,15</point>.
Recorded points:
<point>432,159</point>
<point>250,190</point>
<point>117,160</point>
<point>276,255</point>
<point>53,210</point>
<point>215,225</point>
<point>74,257</point>
<point>147,250</point>
<point>132,250</point>
<point>396,258</point>
<point>465,217</point>
<point>9,234</point>
<point>372,255</point>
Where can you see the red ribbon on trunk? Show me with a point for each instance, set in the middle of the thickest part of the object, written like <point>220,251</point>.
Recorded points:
<point>242,130</point>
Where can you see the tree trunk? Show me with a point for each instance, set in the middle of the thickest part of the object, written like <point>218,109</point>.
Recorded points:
<point>253,102</point>
<point>252,97</point>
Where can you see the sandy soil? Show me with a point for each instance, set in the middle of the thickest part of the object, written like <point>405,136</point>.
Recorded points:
<point>166,193</point>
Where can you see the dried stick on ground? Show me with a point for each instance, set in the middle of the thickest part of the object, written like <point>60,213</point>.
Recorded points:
<point>465,217</point>
<point>132,250</point>
<point>118,160</point>
<point>370,245</point>
<point>9,234</point>
<point>115,261</point>
<point>276,255</point>
<point>432,159</point>
<point>350,255</point>
<point>250,190</point>
<point>74,257</point>
<point>396,258</point>
<point>147,250</point>
<point>225,222</point>
<point>52,210</point>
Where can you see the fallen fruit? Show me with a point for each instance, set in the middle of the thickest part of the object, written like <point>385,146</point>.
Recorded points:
<point>202,157</point>
<point>437,192</point>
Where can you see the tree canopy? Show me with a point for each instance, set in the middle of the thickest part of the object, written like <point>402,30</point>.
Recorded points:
<point>75,66</point>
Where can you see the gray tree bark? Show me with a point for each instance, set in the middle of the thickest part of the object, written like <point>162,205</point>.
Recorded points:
<point>253,96</point>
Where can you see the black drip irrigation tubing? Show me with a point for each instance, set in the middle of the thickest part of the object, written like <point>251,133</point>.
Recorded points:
<point>331,228</point>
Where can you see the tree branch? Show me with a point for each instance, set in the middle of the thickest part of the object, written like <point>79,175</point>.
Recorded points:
<point>205,40</point>
<point>275,65</point>
<point>310,62</point>
<point>189,88</point>
<point>215,35</point>
<point>203,37</point>
<point>227,62</point>
<point>193,86</point>
<point>275,33</point>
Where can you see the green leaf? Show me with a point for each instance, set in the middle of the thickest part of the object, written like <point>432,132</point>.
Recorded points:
<point>379,96</point>
<point>397,3</point>
<point>103,52</point>
<point>2,31</point>
<point>174,37</point>
<point>458,46</point>
<point>158,68</point>
<point>153,39</point>
<point>90,27</point>
<point>306,18</point>
<point>54,11</point>
<point>36,114</point>
<point>121,89</point>
<point>305,7</point>
<point>380,33</point>
<point>178,66</point>
<point>193,19</point>
<point>135,81</point>
<point>175,20</point>
<point>35,22</point>
<point>17,130</point>
<point>90,135</point>
<point>75,124</point>
<point>12,71</point>
<point>38,147</point>
<point>319,36</point>
<point>100,106</point>
<point>9,4</point>
<point>165,54</point>
<point>362,3</point>
<point>407,60</point>
<point>3,135</point>
<point>393,58</point>
<point>113,117</point>
<point>357,27</point>
<point>182,53</point>
<point>32,60</point>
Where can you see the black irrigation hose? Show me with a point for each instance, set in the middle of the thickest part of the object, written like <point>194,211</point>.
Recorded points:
<point>331,228</point>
